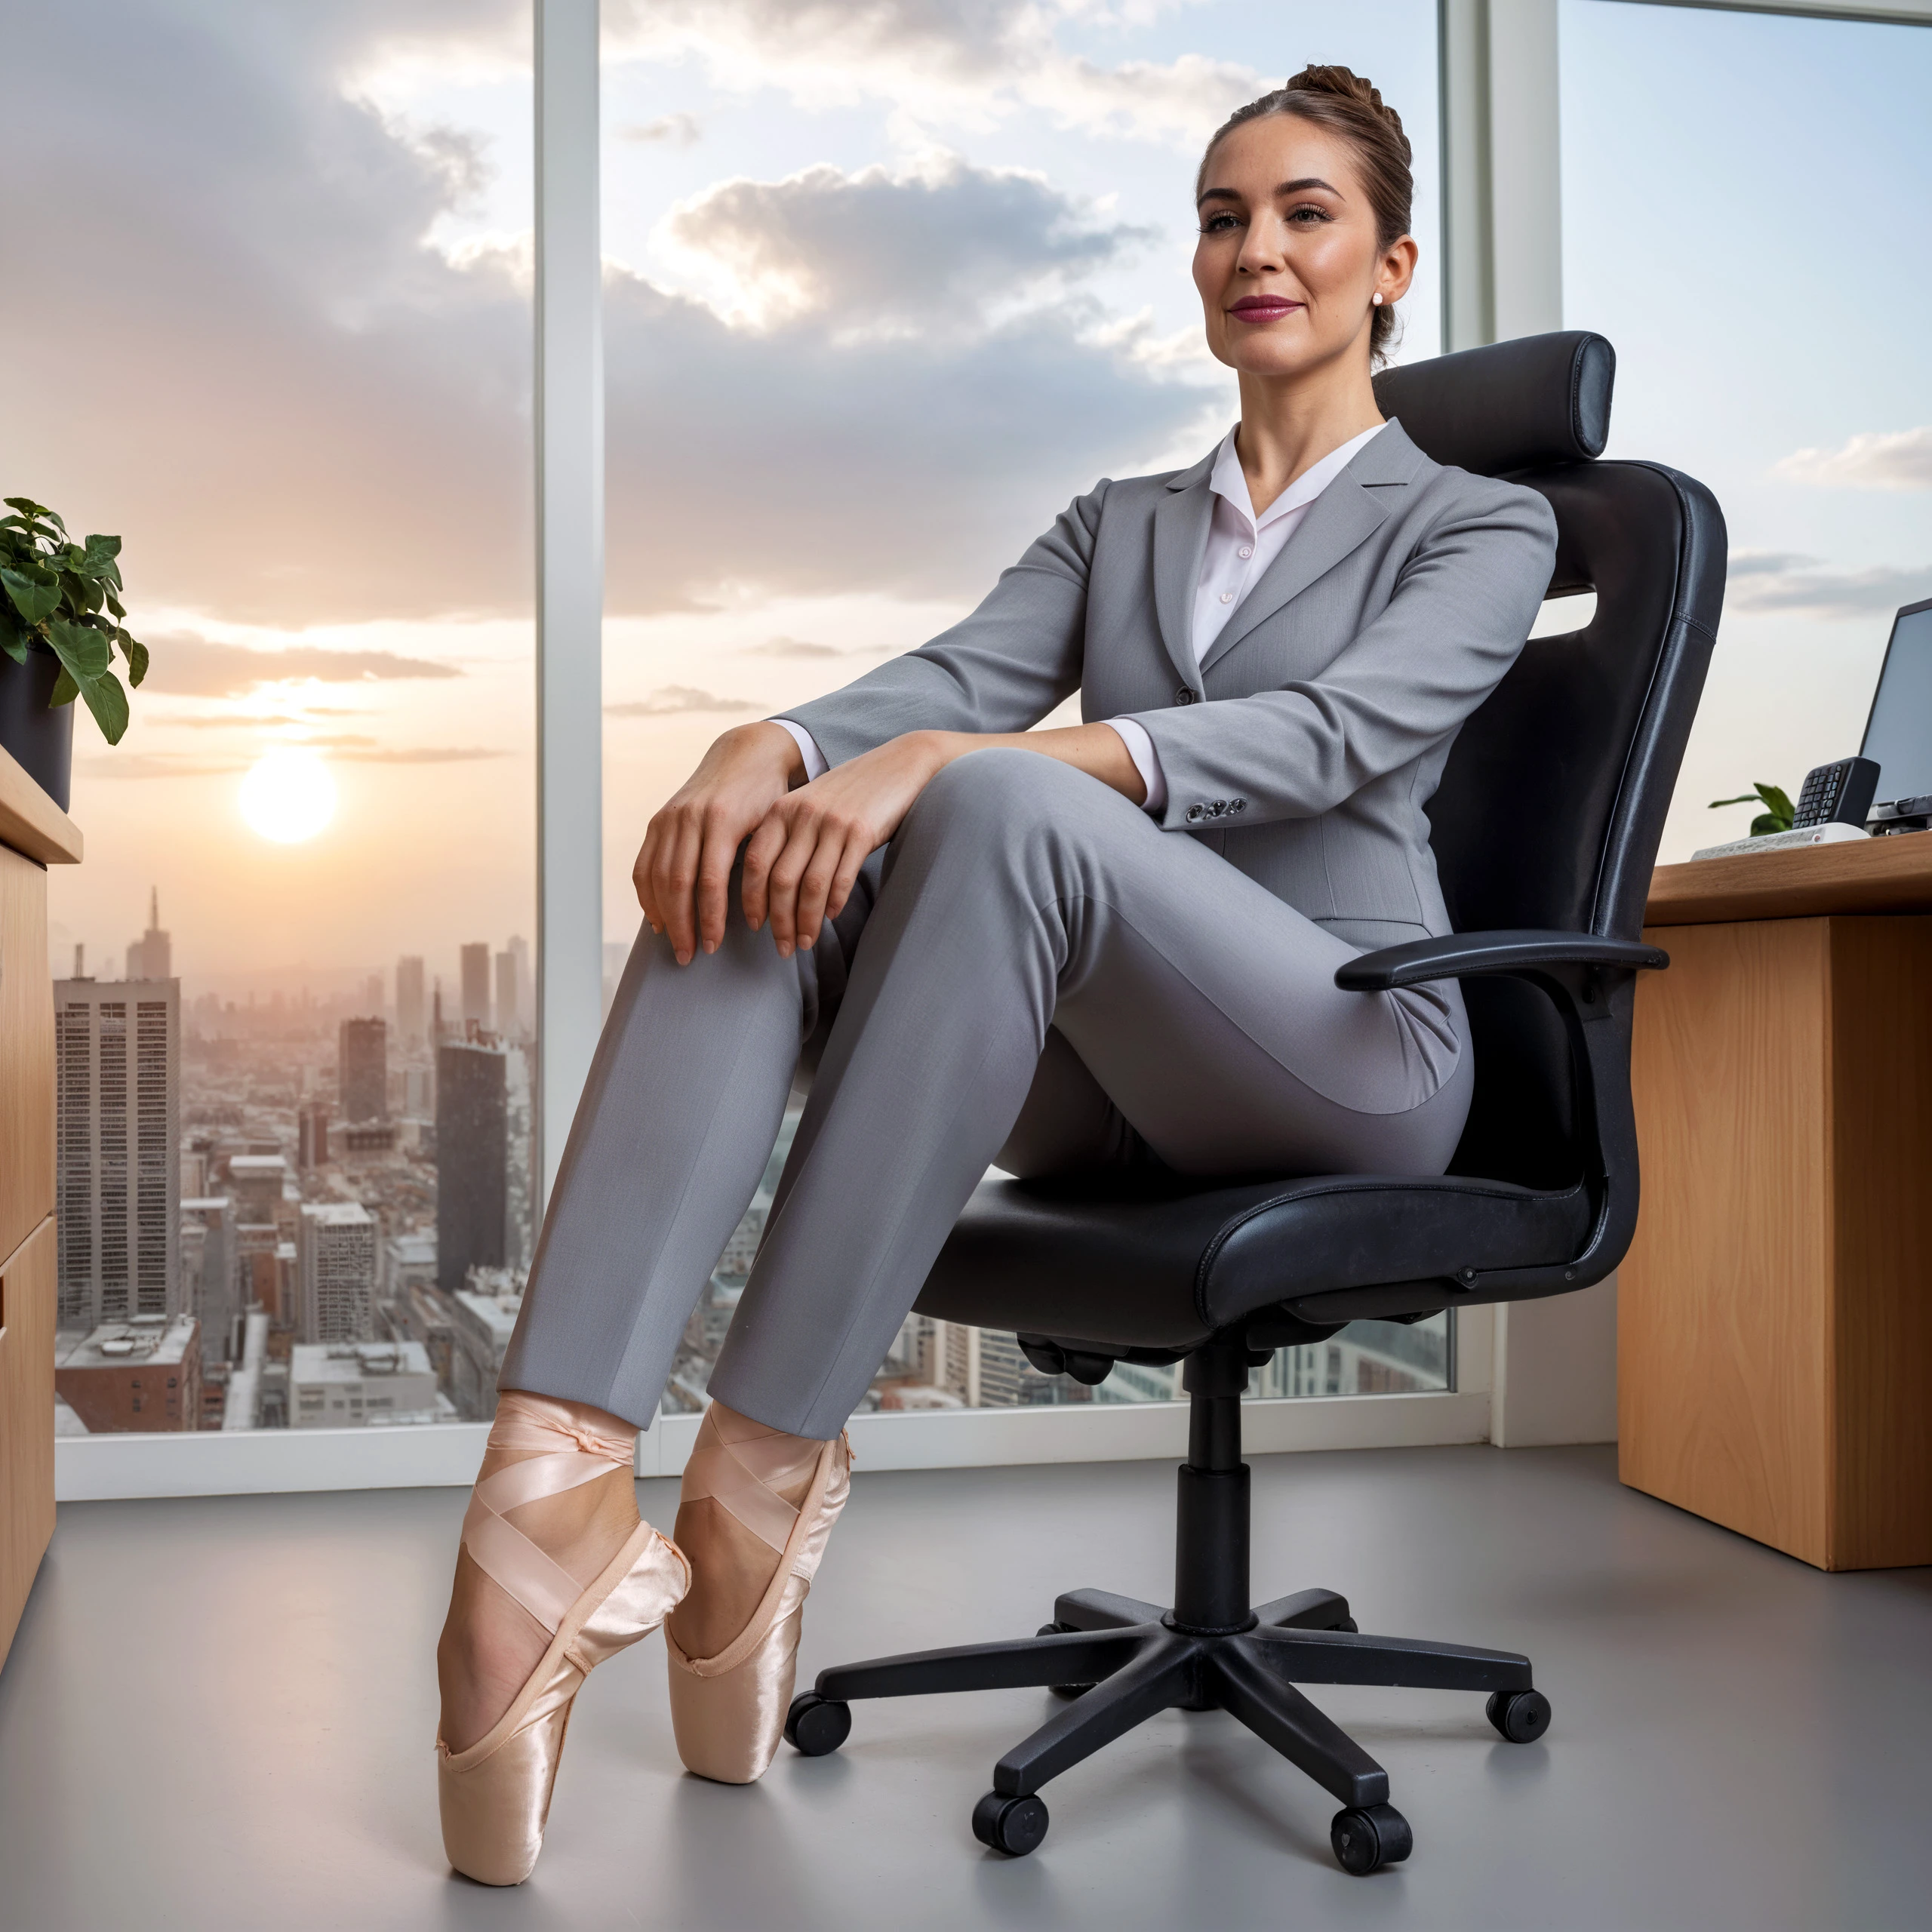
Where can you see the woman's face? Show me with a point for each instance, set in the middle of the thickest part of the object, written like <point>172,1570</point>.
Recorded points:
<point>1288,260</point>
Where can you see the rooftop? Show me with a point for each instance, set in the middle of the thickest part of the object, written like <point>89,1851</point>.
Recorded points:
<point>336,1213</point>
<point>142,1338</point>
<point>356,1361</point>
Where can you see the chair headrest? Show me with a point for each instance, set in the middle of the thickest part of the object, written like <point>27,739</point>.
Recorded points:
<point>1540,399</point>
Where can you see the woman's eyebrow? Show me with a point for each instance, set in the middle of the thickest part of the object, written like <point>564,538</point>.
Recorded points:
<point>1307,181</point>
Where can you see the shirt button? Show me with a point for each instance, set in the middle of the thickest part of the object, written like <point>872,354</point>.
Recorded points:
<point>1184,696</point>
<point>1246,550</point>
<point>1227,597</point>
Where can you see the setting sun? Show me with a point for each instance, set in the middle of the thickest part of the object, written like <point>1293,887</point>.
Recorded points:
<point>288,795</point>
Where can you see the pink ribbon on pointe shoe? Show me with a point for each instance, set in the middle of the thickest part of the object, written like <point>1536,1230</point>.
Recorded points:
<point>498,1548</point>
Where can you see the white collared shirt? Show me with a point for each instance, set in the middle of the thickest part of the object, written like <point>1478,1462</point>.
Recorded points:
<point>1240,546</point>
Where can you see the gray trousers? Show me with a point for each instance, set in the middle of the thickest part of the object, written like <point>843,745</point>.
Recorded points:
<point>1047,980</point>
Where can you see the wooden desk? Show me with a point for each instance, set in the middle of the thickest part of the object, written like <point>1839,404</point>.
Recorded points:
<point>1774,1346</point>
<point>34,834</point>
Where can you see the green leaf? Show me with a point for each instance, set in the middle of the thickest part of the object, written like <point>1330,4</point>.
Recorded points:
<point>1767,825</point>
<point>83,652</point>
<point>137,657</point>
<point>106,549</point>
<point>1779,802</point>
<point>28,507</point>
<point>65,690</point>
<point>115,608</point>
<point>13,636</point>
<point>1749,799</point>
<point>108,703</point>
<point>36,602</point>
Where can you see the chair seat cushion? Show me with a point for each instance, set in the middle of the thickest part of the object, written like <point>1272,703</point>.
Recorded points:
<point>1132,1261</point>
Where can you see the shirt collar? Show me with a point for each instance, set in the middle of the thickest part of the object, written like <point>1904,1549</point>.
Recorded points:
<point>1228,481</point>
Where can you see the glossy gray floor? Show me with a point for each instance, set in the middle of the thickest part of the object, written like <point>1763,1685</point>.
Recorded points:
<point>218,1715</point>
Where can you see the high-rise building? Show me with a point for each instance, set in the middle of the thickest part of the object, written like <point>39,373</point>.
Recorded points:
<point>208,1270</point>
<point>311,1134</point>
<point>526,984</point>
<point>411,1014</point>
<point>362,1069</point>
<point>476,988</point>
<point>152,956</point>
<point>508,1024</point>
<point>362,1384</point>
<point>335,1257</point>
<point>118,1049</point>
<point>473,1164</point>
<point>372,992</point>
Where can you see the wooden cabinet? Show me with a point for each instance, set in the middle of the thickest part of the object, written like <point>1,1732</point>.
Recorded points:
<point>1775,1311</point>
<point>33,835</point>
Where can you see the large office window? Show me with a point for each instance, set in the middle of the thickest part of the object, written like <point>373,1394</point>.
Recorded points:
<point>267,314</point>
<point>886,287</point>
<point>1744,215</point>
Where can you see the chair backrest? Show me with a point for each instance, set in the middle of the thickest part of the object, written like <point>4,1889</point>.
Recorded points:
<point>1552,801</point>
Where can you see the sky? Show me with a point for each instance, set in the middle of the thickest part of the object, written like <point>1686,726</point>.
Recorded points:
<point>886,285</point>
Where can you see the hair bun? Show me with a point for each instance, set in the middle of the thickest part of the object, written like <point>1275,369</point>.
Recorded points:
<point>1346,84</point>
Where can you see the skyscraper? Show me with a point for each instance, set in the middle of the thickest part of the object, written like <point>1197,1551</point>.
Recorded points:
<point>411,1016</point>
<point>473,1167</point>
<point>526,984</point>
<point>152,956</point>
<point>508,1024</point>
<point>362,1069</point>
<point>311,1134</point>
<point>335,1258</point>
<point>208,1276</point>
<point>476,987</point>
<point>117,1051</point>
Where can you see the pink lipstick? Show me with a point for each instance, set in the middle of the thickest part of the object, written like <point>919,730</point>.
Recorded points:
<point>1262,308</point>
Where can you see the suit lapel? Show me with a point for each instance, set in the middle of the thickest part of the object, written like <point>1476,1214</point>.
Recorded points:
<point>1339,521</point>
<point>1181,519</point>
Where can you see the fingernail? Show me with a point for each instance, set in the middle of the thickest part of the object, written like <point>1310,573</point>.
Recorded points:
<point>711,945</point>
<point>784,949</point>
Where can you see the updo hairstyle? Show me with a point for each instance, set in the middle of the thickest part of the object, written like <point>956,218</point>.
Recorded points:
<point>1343,102</point>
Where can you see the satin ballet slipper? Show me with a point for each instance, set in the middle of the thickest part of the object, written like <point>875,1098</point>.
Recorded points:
<point>496,1795</point>
<point>728,1711</point>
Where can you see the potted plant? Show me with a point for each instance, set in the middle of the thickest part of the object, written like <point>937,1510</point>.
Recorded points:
<point>61,621</point>
<point>1776,816</point>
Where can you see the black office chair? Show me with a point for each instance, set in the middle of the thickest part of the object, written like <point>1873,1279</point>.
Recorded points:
<point>1545,828</point>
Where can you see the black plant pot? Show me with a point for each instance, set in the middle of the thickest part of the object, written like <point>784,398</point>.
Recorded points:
<point>42,740</point>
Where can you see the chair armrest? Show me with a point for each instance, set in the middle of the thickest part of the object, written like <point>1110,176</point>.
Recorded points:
<point>1461,955</point>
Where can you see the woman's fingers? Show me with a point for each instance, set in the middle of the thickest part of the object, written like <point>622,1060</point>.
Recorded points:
<point>815,882</point>
<point>675,879</point>
<point>640,878</point>
<point>718,850</point>
<point>787,869</point>
<point>764,845</point>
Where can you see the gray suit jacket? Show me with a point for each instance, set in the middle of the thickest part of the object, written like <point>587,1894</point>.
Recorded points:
<point>1332,697</point>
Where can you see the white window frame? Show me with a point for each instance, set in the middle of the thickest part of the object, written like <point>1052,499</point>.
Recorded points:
<point>1537,1372</point>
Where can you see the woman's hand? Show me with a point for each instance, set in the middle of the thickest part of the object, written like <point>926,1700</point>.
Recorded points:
<point>683,875</point>
<point>802,860</point>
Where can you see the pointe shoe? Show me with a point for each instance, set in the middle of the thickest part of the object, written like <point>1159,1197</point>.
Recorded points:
<point>495,1796</point>
<point>728,1711</point>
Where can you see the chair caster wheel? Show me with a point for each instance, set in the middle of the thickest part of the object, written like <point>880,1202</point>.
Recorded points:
<point>815,1726</point>
<point>1521,1716</point>
<point>1369,1836</point>
<point>1062,1689</point>
<point>1014,1825</point>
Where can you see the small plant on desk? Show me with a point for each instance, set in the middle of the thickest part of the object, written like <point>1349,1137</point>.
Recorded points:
<point>1776,816</point>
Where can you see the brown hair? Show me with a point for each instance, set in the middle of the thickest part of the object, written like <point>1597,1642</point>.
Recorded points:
<point>1343,102</point>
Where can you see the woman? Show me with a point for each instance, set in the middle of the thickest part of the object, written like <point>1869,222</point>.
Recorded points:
<point>1112,944</point>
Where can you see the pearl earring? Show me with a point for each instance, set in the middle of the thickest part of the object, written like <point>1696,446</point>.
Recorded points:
<point>1375,300</point>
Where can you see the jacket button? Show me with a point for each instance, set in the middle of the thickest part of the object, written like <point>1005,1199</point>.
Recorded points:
<point>1183,695</point>
<point>1219,809</point>
<point>1195,813</point>
<point>1237,804</point>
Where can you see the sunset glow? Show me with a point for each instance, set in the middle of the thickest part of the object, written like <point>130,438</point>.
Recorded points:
<point>287,796</point>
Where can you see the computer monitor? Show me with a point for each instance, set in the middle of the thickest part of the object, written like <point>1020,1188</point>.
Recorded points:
<point>1898,734</point>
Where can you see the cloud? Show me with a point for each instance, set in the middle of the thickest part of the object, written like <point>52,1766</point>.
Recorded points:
<point>185,665</point>
<point>1781,583</point>
<point>1893,459</point>
<point>320,417</point>
<point>937,61</point>
<point>792,647</point>
<point>673,700</point>
<point>678,131</point>
<point>253,721</point>
<point>926,253</point>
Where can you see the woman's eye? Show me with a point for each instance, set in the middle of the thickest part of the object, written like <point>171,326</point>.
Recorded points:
<point>1307,215</point>
<point>1218,224</point>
